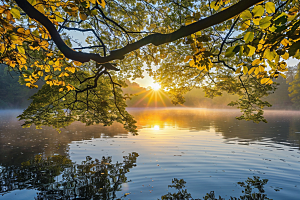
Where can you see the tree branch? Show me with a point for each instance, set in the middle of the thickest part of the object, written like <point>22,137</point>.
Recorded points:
<point>156,39</point>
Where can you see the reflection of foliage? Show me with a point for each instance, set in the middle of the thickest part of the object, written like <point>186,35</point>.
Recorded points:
<point>249,194</point>
<point>92,179</point>
<point>181,193</point>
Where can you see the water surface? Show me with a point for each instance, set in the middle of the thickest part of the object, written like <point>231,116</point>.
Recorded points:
<point>209,149</point>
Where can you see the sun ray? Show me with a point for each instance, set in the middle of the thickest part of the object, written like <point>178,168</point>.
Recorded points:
<point>162,100</point>
<point>155,98</point>
<point>152,93</point>
<point>149,92</point>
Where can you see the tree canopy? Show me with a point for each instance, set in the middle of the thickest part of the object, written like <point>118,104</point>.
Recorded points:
<point>232,46</point>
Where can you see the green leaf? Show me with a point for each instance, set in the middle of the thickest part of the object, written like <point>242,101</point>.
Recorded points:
<point>270,7</point>
<point>265,22</point>
<point>15,13</point>
<point>258,11</point>
<point>236,49</point>
<point>248,37</point>
<point>246,15</point>
<point>229,52</point>
<point>293,49</point>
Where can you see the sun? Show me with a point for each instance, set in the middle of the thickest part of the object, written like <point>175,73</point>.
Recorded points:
<point>155,86</point>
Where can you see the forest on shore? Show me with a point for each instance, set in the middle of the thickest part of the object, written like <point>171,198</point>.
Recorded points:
<point>14,95</point>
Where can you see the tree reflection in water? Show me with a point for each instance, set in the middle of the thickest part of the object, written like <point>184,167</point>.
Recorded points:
<point>57,177</point>
<point>253,189</point>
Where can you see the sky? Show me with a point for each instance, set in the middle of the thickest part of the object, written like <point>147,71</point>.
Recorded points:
<point>147,80</point>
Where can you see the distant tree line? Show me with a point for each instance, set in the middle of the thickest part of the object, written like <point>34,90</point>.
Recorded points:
<point>12,93</point>
<point>287,95</point>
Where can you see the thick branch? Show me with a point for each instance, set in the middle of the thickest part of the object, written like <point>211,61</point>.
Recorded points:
<point>156,39</point>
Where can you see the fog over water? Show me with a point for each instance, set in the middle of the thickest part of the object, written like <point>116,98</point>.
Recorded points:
<point>208,148</point>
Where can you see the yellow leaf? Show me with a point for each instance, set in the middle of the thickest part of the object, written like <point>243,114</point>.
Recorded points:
<point>270,7</point>
<point>58,17</point>
<point>32,2</point>
<point>187,59</point>
<point>238,70</point>
<point>15,13</point>
<point>252,50</point>
<point>256,20</point>
<point>192,63</point>
<point>261,68</point>
<point>40,73</point>
<point>77,63</point>
<point>245,70</point>
<point>269,55</point>
<point>265,22</point>
<point>246,15</point>
<point>284,76</point>
<point>285,56</point>
<point>21,49</point>
<point>21,30</point>
<point>256,62</point>
<point>71,69</point>
<point>285,42</point>
<point>256,70</point>
<point>258,11</point>
<point>248,37</point>
<point>82,16</point>
<point>102,3</point>
<point>251,70</point>
<point>264,80</point>
<point>61,89</point>
<point>245,25</point>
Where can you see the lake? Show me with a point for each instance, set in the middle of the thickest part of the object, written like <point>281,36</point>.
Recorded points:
<point>209,149</point>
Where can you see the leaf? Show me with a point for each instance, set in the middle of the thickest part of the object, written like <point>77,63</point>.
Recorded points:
<point>269,55</point>
<point>251,70</point>
<point>258,11</point>
<point>238,70</point>
<point>21,49</point>
<point>293,49</point>
<point>229,52</point>
<point>270,7</point>
<point>245,70</point>
<point>15,13</point>
<point>256,62</point>
<point>82,16</point>
<point>265,22</point>
<point>283,76</point>
<point>285,56</point>
<point>251,51</point>
<point>264,80</point>
<point>248,37</point>
<point>236,49</point>
<point>102,3</point>
<point>246,15</point>
<point>32,2</point>
<point>245,25</point>
<point>285,42</point>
